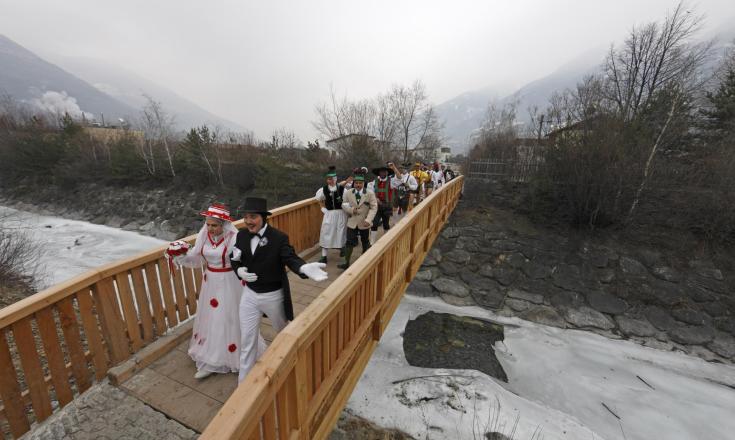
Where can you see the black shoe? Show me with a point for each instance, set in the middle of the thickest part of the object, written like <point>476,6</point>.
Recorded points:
<point>343,266</point>
<point>323,260</point>
<point>341,252</point>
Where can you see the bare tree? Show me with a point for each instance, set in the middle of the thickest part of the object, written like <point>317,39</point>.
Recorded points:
<point>653,57</point>
<point>157,125</point>
<point>416,117</point>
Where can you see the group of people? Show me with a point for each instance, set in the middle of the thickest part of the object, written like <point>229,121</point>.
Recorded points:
<point>245,271</point>
<point>357,206</point>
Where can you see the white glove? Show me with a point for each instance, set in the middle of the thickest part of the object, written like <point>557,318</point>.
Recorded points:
<point>236,254</point>
<point>314,271</point>
<point>246,276</point>
<point>324,210</point>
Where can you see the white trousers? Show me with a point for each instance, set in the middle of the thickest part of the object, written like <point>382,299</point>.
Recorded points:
<point>252,307</point>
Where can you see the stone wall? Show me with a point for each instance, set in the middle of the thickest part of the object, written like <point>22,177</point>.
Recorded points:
<point>664,299</point>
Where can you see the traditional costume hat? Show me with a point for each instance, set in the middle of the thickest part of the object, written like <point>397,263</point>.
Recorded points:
<point>331,172</point>
<point>255,205</point>
<point>377,171</point>
<point>359,177</point>
<point>218,210</point>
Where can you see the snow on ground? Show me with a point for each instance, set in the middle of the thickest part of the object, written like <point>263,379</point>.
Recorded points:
<point>558,383</point>
<point>71,247</point>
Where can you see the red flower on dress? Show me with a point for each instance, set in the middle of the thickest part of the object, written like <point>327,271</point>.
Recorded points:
<point>213,302</point>
<point>232,348</point>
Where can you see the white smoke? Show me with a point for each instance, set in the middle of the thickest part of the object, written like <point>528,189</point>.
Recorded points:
<point>59,103</point>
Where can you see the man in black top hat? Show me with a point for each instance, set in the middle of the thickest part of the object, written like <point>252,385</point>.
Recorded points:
<point>259,258</point>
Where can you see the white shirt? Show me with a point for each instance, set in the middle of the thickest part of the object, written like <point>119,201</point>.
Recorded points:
<point>394,183</point>
<point>437,178</point>
<point>410,181</point>
<point>256,240</point>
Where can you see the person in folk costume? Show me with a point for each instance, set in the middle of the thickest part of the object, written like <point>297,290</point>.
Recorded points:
<point>334,223</point>
<point>405,190</point>
<point>260,257</point>
<point>361,205</point>
<point>421,178</point>
<point>384,187</point>
<point>215,342</point>
<point>449,174</point>
<point>437,177</point>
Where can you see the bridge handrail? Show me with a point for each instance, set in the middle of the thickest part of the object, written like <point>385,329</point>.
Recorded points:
<point>300,385</point>
<point>56,343</point>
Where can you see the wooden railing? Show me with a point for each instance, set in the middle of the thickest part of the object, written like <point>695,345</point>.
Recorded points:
<point>300,385</point>
<point>55,344</point>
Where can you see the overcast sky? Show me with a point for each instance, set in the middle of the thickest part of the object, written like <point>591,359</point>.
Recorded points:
<point>266,64</point>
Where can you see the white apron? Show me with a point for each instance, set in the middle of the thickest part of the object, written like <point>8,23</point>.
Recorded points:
<point>333,234</point>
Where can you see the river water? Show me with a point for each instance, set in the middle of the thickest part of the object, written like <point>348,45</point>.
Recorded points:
<point>70,247</point>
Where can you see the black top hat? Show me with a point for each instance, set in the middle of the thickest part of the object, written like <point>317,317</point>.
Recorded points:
<point>255,205</point>
<point>377,171</point>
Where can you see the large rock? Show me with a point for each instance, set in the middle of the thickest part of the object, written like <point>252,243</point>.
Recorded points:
<point>712,273</point>
<point>544,315</point>
<point>606,276</point>
<point>691,316</point>
<point>711,284</point>
<point>518,305</point>
<point>668,294</point>
<point>449,268</point>
<point>505,275</point>
<point>450,232</point>
<point>535,298</point>
<point>535,270</point>
<point>724,345</point>
<point>606,303</point>
<point>458,256</point>
<point>587,317</point>
<point>458,300</point>
<point>649,257</point>
<point>421,288</point>
<point>564,299</point>
<point>450,287</point>
<point>568,277</point>
<point>473,279</point>
<point>516,260</point>
<point>631,266</point>
<point>487,270</point>
<point>726,324</point>
<point>660,318</point>
<point>424,275</point>
<point>489,297</point>
<point>635,327</point>
<point>695,335</point>
<point>667,273</point>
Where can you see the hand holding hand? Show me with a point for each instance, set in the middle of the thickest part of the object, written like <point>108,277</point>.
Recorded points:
<point>246,276</point>
<point>314,271</point>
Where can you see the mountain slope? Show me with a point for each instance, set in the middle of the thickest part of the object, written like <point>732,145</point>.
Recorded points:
<point>130,88</point>
<point>29,78</point>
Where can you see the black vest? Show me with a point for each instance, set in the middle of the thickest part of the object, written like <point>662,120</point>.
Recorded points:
<point>333,200</point>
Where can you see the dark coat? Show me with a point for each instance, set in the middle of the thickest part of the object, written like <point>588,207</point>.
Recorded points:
<point>269,263</point>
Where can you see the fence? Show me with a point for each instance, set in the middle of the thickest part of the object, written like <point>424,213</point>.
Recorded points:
<point>300,385</point>
<point>497,169</point>
<point>55,344</point>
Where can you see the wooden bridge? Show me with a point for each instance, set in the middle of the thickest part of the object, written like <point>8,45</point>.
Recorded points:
<point>125,320</point>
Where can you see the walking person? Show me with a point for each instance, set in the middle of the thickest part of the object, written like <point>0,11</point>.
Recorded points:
<point>260,257</point>
<point>215,342</point>
<point>384,187</point>
<point>361,206</point>
<point>421,178</point>
<point>437,178</point>
<point>404,192</point>
<point>333,233</point>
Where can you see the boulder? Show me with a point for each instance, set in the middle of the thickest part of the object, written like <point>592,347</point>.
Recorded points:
<point>147,227</point>
<point>449,268</point>
<point>505,275</point>
<point>450,232</point>
<point>667,274</point>
<point>723,344</point>
<point>726,324</point>
<point>458,256</point>
<point>421,288</point>
<point>649,257</point>
<point>632,267</point>
<point>544,315</point>
<point>606,303</point>
<point>535,270</point>
<point>491,297</point>
<point>450,287</point>
<point>587,317</point>
<point>692,335</point>
<point>635,327</point>
<point>660,318</point>
<point>606,276</point>
<point>515,260</point>
<point>691,316</point>
<point>568,277</point>
<point>517,304</point>
<point>535,298</point>
<point>564,299</point>
<point>710,272</point>
<point>457,300</point>
<point>473,279</point>
<point>424,275</point>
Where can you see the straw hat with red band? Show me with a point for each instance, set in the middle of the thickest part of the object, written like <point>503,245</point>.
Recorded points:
<point>219,211</point>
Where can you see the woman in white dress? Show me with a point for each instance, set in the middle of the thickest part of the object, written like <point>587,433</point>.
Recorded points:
<point>333,234</point>
<point>214,345</point>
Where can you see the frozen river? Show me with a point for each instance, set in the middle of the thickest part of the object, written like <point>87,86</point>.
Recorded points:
<point>70,247</point>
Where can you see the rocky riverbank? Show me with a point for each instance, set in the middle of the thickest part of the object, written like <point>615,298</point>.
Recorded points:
<point>667,298</point>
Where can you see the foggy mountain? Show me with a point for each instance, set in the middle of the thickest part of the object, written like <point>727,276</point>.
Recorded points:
<point>129,88</point>
<point>465,113</point>
<point>28,78</point>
